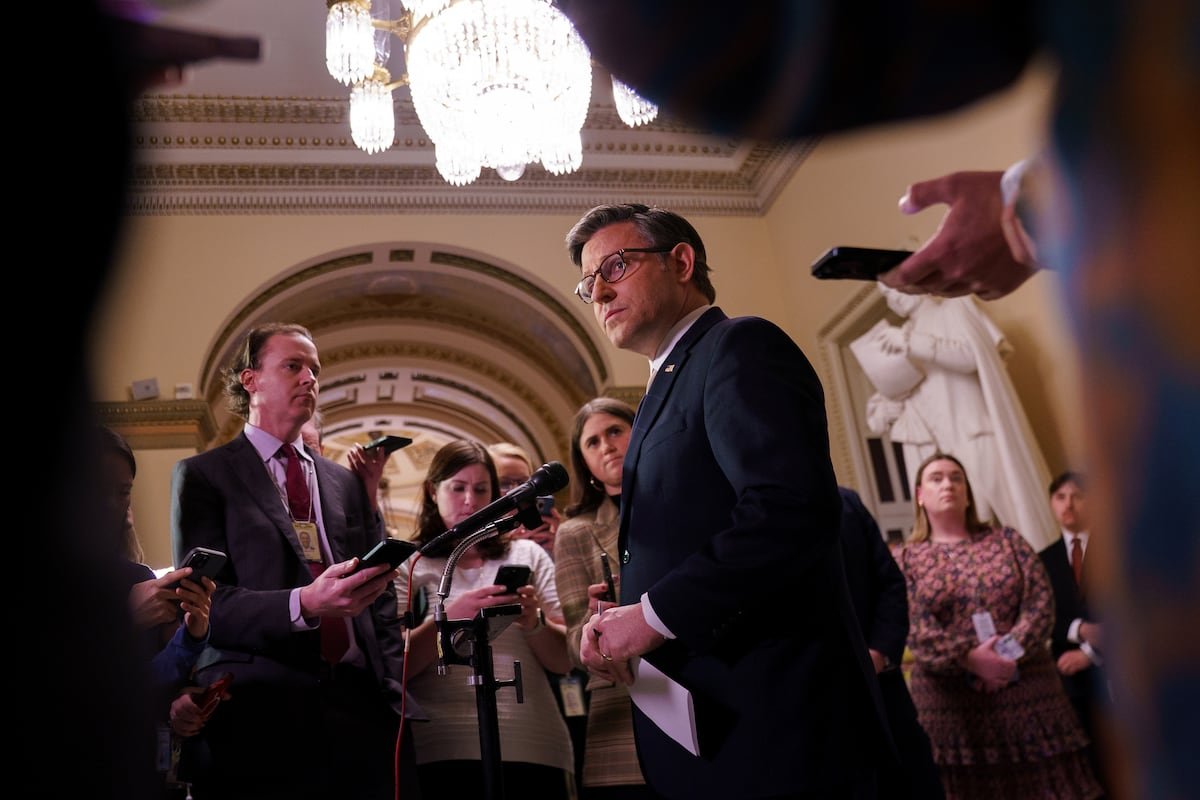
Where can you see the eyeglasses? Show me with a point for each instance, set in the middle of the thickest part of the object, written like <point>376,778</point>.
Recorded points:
<point>612,269</point>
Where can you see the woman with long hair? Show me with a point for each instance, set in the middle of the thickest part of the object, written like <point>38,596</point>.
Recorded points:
<point>983,679</point>
<point>599,436</point>
<point>536,748</point>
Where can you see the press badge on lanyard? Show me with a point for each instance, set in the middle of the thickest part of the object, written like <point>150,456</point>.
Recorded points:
<point>310,542</point>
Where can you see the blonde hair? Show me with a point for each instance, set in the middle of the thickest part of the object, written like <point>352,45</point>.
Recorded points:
<point>510,450</point>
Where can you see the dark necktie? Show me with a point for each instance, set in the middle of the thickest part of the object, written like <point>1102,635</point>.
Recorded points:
<point>335,639</point>
<point>1077,559</point>
<point>298,496</point>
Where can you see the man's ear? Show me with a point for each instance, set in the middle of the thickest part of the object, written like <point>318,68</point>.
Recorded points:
<point>683,261</point>
<point>247,377</point>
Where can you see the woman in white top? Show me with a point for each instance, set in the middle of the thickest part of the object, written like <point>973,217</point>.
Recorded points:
<point>534,744</point>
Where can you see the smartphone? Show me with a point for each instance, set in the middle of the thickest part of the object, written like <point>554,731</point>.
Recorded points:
<point>857,263</point>
<point>205,562</point>
<point>390,444</point>
<point>545,505</point>
<point>513,576</point>
<point>610,594</point>
<point>392,552</point>
<point>214,691</point>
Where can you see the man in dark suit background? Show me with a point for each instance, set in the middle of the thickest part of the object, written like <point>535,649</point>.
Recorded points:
<point>314,647</point>
<point>1077,637</point>
<point>731,581</point>
<point>880,598</point>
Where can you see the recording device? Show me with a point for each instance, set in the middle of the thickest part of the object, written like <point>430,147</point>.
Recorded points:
<point>213,692</point>
<point>857,263</point>
<point>390,444</point>
<point>610,594</point>
<point>512,577</point>
<point>545,505</point>
<point>392,552</point>
<point>205,563</point>
<point>546,479</point>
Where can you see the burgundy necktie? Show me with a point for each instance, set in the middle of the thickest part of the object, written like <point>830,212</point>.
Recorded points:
<point>335,639</point>
<point>1077,559</point>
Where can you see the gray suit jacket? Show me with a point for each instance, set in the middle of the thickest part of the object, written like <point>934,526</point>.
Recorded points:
<point>225,499</point>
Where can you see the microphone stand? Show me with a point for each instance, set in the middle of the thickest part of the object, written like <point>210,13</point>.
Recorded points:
<point>468,641</point>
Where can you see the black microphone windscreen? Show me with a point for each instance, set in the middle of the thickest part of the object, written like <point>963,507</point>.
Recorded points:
<point>549,478</point>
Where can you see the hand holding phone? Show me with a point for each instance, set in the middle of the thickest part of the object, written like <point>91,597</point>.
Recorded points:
<point>205,563</point>
<point>857,263</point>
<point>207,700</point>
<point>389,444</point>
<point>512,577</point>
<point>392,552</point>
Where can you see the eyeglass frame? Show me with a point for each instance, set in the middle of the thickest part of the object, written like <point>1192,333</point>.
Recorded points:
<point>620,254</point>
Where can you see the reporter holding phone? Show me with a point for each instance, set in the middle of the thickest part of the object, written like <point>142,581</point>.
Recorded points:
<point>534,744</point>
<point>314,646</point>
<point>171,612</point>
<point>514,467</point>
<point>599,436</point>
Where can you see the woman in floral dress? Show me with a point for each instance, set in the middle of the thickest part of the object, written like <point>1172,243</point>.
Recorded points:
<point>983,680</point>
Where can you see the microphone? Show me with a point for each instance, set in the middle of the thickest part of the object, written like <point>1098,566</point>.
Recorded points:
<point>546,479</point>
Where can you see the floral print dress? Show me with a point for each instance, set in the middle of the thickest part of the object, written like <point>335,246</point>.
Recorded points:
<point>1023,741</point>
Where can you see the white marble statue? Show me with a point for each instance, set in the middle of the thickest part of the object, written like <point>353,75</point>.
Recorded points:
<point>941,384</point>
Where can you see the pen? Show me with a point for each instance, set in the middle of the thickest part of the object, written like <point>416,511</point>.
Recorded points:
<point>611,593</point>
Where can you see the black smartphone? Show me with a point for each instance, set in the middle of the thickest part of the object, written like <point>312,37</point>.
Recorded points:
<point>857,263</point>
<point>610,594</point>
<point>513,577</point>
<point>392,552</point>
<point>205,563</point>
<point>545,505</point>
<point>390,444</point>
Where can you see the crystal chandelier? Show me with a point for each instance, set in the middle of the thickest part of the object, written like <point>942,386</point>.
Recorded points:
<point>495,83</point>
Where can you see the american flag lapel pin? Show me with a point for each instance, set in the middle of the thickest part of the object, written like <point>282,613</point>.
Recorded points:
<point>669,368</point>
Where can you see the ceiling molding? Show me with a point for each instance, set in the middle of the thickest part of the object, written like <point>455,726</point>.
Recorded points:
<point>160,424</point>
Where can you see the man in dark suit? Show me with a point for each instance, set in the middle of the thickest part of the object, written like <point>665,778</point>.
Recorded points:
<point>1077,637</point>
<point>880,599</point>
<point>731,576</point>
<point>314,647</point>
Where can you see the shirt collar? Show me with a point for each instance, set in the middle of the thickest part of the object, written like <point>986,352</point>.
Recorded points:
<point>268,446</point>
<point>1068,537</point>
<point>674,335</point>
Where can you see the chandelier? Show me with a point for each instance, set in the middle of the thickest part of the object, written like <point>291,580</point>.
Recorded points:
<point>495,83</point>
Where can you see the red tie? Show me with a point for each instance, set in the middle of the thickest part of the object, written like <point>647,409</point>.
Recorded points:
<point>299,498</point>
<point>335,639</point>
<point>1077,559</point>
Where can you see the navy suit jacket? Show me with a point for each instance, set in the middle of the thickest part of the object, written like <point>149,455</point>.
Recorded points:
<point>729,519</point>
<point>226,499</point>
<point>880,597</point>
<point>1070,603</point>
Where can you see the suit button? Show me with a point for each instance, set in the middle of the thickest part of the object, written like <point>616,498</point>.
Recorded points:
<point>625,557</point>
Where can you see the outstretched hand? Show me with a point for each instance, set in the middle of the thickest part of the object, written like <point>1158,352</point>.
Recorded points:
<point>969,252</point>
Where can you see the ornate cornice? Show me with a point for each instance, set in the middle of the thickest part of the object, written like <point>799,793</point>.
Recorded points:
<point>293,188</point>
<point>160,424</point>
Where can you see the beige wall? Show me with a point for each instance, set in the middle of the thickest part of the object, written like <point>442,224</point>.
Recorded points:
<point>179,278</point>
